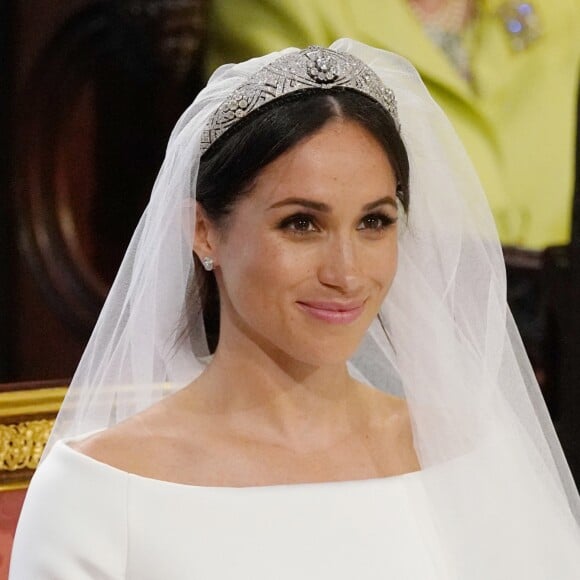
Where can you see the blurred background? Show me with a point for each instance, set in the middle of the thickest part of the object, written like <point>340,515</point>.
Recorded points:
<point>89,92</point>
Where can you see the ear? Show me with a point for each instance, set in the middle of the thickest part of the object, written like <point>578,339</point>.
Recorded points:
<point>205,237</point>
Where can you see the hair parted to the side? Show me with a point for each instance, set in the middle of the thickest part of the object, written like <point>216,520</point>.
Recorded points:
<point>228,169</point>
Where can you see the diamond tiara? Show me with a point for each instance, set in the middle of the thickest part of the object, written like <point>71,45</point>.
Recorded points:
<point>312,68</point>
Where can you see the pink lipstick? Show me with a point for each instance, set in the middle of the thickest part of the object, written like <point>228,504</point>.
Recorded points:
<point>333,312</point>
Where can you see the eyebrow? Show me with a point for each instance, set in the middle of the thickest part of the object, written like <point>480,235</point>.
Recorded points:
<point>323,207</point>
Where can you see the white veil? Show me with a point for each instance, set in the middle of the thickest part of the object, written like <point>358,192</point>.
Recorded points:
<point>452,349</point>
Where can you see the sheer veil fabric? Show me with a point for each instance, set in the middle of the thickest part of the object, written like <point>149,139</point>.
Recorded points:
<point>452,349</point>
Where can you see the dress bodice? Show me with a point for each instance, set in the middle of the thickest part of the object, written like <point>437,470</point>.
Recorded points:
<point>101,522</point>
<point>84,519</point>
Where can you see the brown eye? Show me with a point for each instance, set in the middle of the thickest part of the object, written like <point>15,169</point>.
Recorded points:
<point>376,222</point>
<point>302,224</point>
<point>299,223</point>
<point>373,223</point>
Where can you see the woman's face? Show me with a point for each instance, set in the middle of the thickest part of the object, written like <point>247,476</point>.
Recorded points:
<point>307,257</point>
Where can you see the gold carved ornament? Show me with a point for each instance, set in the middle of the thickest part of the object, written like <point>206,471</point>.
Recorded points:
<point>26,419</point>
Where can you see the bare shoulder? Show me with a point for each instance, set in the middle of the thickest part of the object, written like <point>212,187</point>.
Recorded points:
<point>169,441</point>
<point>124,446</point>
<point>142,443</point>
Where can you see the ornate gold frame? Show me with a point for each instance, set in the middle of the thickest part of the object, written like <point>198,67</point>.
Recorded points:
<point>26,419</point>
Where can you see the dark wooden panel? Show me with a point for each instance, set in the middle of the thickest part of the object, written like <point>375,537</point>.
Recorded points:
<point>7,249</point>
<point>97,88</point>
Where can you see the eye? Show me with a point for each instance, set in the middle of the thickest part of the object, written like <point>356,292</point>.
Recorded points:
<point>299,223</point>
<point>376,222</point>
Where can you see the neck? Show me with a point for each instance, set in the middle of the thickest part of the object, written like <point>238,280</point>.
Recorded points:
<point>280,398</point>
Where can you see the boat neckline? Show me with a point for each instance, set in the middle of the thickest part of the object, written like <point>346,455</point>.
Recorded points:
<point>65,446</point>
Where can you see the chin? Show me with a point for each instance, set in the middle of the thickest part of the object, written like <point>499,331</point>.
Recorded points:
<point>324,352</point>
<point>320,344</point>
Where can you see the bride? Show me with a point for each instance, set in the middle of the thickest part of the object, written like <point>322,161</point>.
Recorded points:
<point>306,367</point>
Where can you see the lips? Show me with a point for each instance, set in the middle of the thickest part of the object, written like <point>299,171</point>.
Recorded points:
<point>333,312</point>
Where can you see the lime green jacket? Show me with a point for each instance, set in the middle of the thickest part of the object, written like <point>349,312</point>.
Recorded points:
<point>517,118</point>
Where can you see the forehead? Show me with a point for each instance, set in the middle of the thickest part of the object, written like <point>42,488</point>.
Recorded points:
<point>340,162</point>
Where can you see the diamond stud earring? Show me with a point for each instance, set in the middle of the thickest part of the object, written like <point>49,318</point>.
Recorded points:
<point>207,263</point>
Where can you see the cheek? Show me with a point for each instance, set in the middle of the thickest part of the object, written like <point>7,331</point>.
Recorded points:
<point>261,269</point>
<point>380,262</point>
<point>392,262</point>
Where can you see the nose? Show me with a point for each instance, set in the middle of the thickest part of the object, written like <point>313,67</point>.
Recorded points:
<point>339,267</point>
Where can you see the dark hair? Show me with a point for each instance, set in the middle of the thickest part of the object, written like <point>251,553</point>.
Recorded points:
<point>229,167</point>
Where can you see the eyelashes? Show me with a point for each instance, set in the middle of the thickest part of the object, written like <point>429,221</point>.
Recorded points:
<point>377,221</point>
<point>305,223</point>
<point>300,223</point>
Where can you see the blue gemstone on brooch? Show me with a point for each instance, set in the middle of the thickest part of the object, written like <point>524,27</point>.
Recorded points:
<point>514,26</point>
<point>521,22</point>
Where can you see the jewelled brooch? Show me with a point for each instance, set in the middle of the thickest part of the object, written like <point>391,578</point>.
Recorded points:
<point>521,22</point>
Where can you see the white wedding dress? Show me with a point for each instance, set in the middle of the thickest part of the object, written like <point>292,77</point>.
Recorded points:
<point>84,519</point>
